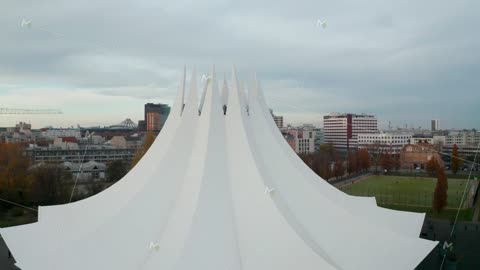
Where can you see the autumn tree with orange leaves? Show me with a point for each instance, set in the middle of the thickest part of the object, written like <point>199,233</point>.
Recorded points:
<point>456,163</point>
<point>351,162</point>
<point>441,188</point>
<point>13,171</point>
<point>363,159</point>
<point>149,139</point>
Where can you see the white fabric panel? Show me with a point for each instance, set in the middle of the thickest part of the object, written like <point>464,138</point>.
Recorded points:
<point>213,224</point>
<point>224,93</point>
<point>266,240</point>
<point>204,92</point>
<point>182,87</point>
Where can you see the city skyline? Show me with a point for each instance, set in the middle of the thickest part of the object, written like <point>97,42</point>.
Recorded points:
<point>406,63</point>
<point>39,121</point>
<point>10,120</point>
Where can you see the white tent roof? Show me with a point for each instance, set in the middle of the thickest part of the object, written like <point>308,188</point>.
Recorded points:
<point>220,192</point>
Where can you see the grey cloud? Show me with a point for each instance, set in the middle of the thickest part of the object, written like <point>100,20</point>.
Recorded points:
<point>387,57</point>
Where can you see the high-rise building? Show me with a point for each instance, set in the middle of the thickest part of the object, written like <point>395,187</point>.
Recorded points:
<point>23,126</point>
<point>153,121</point>
<point>301,139</point>
<point>342,130</point>
<point>155,116</point>
<point>435,124</point>
<point>319,138</point>
<point>278,119</point>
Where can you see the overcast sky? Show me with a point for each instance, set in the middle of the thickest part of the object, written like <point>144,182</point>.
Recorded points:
<point>99,61</point>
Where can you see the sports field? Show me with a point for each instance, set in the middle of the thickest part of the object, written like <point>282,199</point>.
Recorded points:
<point>407,191</point>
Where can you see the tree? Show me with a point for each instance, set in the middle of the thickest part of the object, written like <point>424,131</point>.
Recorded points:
<point>397,163</point>
<point>13,171</point>
<point>455,160</point>
<point>363,158</point>
<point>50,184</point>
<point>386,161</point>
<point>324,160</point>
<point>149,139</point>
<point>116,170</point>
<point>325,170</point>
<point>375,152</point>
<point>338,169</point>
<point>307,158</point>
<point>430,167</point>
<point>329,150</point>
<point>352,163</point>
<point>93,187</point>
<point>440,194</point>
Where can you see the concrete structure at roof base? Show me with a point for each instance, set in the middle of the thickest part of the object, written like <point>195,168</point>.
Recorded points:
<point>220,190</point>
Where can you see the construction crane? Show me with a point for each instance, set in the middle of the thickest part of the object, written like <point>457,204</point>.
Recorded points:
<point>29,111</point>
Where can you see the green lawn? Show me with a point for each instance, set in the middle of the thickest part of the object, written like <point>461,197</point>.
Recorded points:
<point>409,193</point>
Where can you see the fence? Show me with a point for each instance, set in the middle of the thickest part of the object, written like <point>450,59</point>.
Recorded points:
<point>414,198</point>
